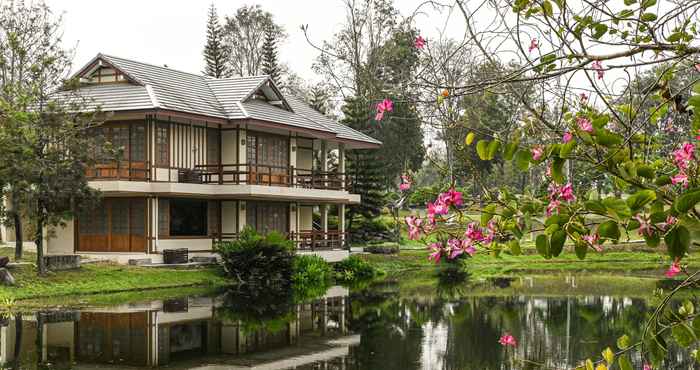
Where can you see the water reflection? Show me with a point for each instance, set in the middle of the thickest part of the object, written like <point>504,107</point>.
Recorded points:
<point>383,326</point>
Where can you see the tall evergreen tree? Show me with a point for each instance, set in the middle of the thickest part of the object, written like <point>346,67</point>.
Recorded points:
<point>318,98</point>
<point>363,169</point>
<point>269,51</point>
<point>216,52</point>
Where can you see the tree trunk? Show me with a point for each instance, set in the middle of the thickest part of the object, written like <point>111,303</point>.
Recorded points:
<point>17,220</point>
<point>41,268</point>
<point>18,341</point>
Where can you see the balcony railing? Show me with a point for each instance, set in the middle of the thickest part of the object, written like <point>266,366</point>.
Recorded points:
<point>122,170</point>
<point>256,174</point>
<point>306,240</point>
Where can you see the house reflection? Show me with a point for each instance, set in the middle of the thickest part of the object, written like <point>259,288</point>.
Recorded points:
<point>183,333</point>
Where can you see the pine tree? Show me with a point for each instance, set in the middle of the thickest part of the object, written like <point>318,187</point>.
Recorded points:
<point>269,50</point>
<point>216,53</point>
<point>363,169</point>
<point>318,99</point>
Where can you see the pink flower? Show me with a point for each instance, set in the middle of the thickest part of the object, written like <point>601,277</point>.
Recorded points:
<point>474,233</point>
<point>698,137</point>
<point>451,197</point>
<point>385,105</point>
<point>379,116</point>
<point>674,270</point>
<point>405,183</point>
<point>583,98</point>
<point>548,170</point>
<point>533,45</point>
<point>647,367</point>
<point>388,105</point>
<point>584,124</point>
<point>436,249</point>
<point>414,224</point>
<point>491,227</point>
<point>454,248</point>
<point>598,67</point>
<point>507,340</point>
<point>552,206</point>
<point>682,156</point>
<point>697,67</point>
<point>644,226</point>
<point>593,241</point>
<point>537,153</point>
<point>680,178</point>
<point>567,137</point>
<point>420,42</point>
<point>468,247</point>
<point>567,193</point>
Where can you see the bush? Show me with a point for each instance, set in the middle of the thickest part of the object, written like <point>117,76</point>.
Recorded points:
<point>383,248</point>
<point>354,268</point>
<point>312,276</point>
<point>258,260</point>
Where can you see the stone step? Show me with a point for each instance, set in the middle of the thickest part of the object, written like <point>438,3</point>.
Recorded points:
<point>140,261</point>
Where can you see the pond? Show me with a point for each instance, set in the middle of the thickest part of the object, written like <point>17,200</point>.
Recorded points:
<point>390,324</point>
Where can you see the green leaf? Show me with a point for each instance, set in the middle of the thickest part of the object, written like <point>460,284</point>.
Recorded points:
<point>487,214</point>
<point>542,245</point>
<point>623,342</point>
<point>653,240</point>
<point>630,2</point>
<point>608,355</point>
<point>557,170</point>
<point>547,8</point>
<point>648,3</point>
<point>493,149</point>
<point>514,246</point>
<point>609,230</point>
<point>470,138</point>
<point>567,148</point>
<point>509,151</point>
<point>640,199</point>
<point>607,138</point>
<point>617,208</point>
<point>648,17</point>
<point>683,335</point>
<point>548,58</point>
<point>663,180</point>
<point>595,206</point>
<point>482,149</point>
<point>599,30</point>
<point>556,244</point>
<point>646,171</point>
<point>677,241</point>
<point>675,37</point>
<point>656,347</point>
<point>522,159</point>
<point>687,201</point>
<point>624,363</point>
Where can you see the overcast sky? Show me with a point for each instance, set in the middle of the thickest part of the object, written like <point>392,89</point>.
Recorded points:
<point>173,32</point>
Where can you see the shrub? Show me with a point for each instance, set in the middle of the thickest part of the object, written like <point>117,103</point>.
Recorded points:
<point>354,268</point>
<point>311,277</point>
<point>258,260</point>
<point>383,248</point>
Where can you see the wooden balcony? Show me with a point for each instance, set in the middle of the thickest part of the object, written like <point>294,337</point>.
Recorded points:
<point>306,240</point>
<point>121,170</point>
<point>254,174</point>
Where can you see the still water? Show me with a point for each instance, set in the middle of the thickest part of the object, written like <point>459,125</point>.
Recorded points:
<point>392,324</point>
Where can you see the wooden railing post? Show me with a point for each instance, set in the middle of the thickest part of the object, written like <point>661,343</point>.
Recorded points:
<point>221,173</point>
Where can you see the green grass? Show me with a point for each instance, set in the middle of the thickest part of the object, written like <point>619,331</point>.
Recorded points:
<point>104,278</point>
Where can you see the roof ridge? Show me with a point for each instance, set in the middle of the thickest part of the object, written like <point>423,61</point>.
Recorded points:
<point>153,65</point>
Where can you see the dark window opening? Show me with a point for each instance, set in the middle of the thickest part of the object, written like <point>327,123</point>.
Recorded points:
<point>188,217</point>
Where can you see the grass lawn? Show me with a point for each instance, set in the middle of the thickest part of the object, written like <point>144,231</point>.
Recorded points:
<point>103,278</point>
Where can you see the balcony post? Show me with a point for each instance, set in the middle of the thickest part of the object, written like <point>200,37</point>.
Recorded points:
<point>324,222</point>
<point>324,163</point>
<point>341,225</point>
<point>341,165</point>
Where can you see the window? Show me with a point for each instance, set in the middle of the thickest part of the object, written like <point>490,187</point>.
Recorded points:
<point>138,143</point>
<point>162,145</point>
<point>265,217</point>
<point>268,150</point>
<point>212,146</point>
<point>188,217</point>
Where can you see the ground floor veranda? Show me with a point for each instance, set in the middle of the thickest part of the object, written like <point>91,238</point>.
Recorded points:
<point>123,228</point>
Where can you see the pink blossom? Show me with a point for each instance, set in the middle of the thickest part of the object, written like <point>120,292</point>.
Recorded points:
<point>533,45</point>
<point>680,178</point>
<point>567,193</point>
<point>593,240</point>
<point>552,206</point>
<point>682,156</point>
<point>507,340</point>
<point>644,226</point>
<point>698,137</point>
<point>697,67</point>
<point>468,247</point>
<point>385,105</point>
<point>420,42</point>
<point>598,67</point>
<point>674,269</point>
<point>491,227</point>
<point>379,116</point>
<point>414,224</point>
<point>405,183</point>
<point>436,249</point>
<point>647,367</point>
<point>567,137</point>
<point>584,124</point>
<point>583,98</point>
<point>537,152</point>
<point>548,170</point>
<point>474,232</point>
<point>670,221</point>
<point>454,248</point>
<point>437,208</point>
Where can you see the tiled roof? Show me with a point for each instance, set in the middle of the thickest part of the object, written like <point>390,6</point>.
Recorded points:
<point>228,98</point>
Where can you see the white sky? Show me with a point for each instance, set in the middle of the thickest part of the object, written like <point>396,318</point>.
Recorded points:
<point>173,32</point>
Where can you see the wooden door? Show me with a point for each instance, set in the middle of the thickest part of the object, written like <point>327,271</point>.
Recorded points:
<point>116,225</point>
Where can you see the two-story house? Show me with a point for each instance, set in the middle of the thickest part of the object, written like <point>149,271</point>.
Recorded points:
<point>203,158</point>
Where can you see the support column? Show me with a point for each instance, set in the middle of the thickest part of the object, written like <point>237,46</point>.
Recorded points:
<point>241,142</point>
<point>155,227</point>
<point>292,160</point>
<point>241,215</point>
<point>324,219</point>
<point>341,165</point>
<point>341,225</point>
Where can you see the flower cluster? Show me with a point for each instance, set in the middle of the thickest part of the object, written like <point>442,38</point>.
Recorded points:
<point>584,124</point>
<point>455,247</point>
<point>682,158</point>
<point>598,68</point>
<point>440,207</point>
<point>557,194</point>
<point>405,183</point>
<point>385,105</point>
<point>420,42</point>
<point>533,45</point>
<point>507,339</point>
